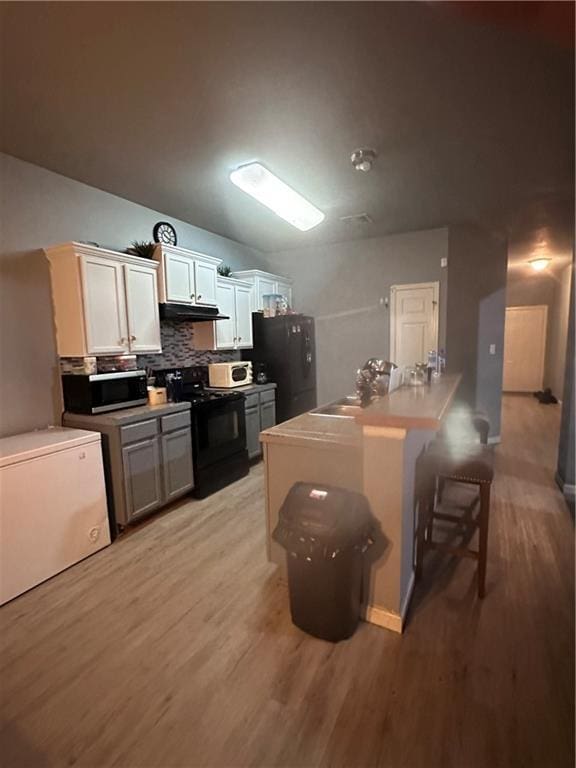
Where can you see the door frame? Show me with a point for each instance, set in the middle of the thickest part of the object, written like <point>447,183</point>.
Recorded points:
<point>436,301</point>
<point>542,361</point>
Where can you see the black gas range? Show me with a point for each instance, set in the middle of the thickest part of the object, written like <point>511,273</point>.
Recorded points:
<point>218,430</point>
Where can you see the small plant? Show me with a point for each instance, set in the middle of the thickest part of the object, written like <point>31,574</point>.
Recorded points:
<point>143,249</point>
<point>224,270</point>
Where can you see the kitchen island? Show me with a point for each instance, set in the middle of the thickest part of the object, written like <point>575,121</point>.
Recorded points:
<point>372,450</point>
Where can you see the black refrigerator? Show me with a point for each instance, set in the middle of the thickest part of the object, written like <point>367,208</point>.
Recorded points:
<point>285,344</point>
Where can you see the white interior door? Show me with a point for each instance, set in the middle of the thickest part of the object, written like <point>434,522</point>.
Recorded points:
<point>413,322</point>
<point>524,348</point>
<point>225,329</point>
<point>243,317</point>
<point>104,306</point>
<point>142,305</point>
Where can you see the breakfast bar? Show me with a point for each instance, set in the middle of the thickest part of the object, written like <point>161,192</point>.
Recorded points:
<point>373,450</point>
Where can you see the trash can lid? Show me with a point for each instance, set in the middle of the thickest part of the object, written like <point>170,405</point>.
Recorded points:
<point>326,518</point>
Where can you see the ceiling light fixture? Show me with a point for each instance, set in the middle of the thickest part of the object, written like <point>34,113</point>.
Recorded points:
<point>540,263</point>
<point>258,181</point>
<point>363,159</point>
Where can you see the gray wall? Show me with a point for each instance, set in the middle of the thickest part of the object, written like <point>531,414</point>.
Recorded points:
<point>566,457</point>
<point>475,320</point>
<point>39,208</point>
<point>341,284</point>
<point>528,288</point>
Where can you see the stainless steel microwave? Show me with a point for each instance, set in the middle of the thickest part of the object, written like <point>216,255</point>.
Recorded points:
<point>101,392</point>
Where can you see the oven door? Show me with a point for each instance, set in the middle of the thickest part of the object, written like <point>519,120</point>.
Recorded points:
<point>219,430</point>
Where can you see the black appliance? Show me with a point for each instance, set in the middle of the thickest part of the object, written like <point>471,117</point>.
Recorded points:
<point>219,454</point>
<point>286,345</point>
<point>171,311</point>
<point>102,392</point>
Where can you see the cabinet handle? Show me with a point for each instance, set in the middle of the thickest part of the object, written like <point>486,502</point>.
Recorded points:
<point>199,296</point>
<point>132,338</point>
<point>235,339</point>
<point>239,338</point>
<point>192,295</point>
<point>122,341</point>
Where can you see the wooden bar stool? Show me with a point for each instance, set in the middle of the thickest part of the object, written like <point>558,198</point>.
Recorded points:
<point>462,463</point>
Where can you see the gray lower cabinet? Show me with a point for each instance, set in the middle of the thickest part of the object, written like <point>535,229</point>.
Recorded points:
<point>253,431</point>
<point>147,460</point>
<point>176,463</point>
<point>267,415</point>
<point>142,478</point>
<point>260,410</point>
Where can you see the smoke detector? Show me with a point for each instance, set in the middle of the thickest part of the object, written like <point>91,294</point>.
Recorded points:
<point>363,159</point>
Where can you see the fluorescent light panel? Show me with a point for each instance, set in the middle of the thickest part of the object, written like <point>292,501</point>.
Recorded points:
<point>256,180</point>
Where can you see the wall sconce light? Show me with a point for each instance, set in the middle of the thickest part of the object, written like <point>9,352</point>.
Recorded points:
<point>539,264</point>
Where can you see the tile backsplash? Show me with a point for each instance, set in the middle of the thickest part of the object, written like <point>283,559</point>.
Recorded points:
<point>178,349</point>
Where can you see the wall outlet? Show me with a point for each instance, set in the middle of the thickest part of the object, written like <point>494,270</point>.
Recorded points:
<point>444,261</point>
<point>492,349</point>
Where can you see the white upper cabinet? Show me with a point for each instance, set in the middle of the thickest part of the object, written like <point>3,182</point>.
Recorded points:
<point>179,279</point>
<point>104,306</point>
<point>234,300</point>
<point>225,329</point>
<point>264,283</point>
<point>105,303</point>
<point>142,308</point>
<point>243,312</point>
<point>205,274</point>
<point>186,277</point>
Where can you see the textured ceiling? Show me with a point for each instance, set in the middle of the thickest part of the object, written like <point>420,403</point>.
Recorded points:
<point>157,102</point>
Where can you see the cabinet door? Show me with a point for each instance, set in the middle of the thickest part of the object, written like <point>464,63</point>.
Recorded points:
<point>104,306</point>
<point>243,317</point>
<point>225,329</point>
<point>142,477</point>
<point>177,463</point>
<point>253,431</point>
<point>284,289</point>
<point>267,415</point>
<point>263,286</point>
<point>205,283</point>
<point>142,307</point>
<point>179,279</point>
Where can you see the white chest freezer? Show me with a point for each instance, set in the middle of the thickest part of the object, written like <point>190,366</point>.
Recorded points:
<point>53,509</point>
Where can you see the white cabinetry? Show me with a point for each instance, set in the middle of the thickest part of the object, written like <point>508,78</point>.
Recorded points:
<point>264,283</point>
<point>186,277</point>
<point>105,303</point>
<point>234,300</point>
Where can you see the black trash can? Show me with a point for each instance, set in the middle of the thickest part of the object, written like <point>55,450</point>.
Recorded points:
<point>325,531</point>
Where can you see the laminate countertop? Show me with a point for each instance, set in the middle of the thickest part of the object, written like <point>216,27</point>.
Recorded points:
<point>128,415</point>
<point>420,407</point>
<point>408,407</point>
<point>316,428</point>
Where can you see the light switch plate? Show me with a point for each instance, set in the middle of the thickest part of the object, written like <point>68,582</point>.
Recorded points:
<point>492,349</point>
<point>444,261</point>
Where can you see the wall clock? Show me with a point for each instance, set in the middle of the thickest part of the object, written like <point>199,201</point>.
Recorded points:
<point>164,233</point>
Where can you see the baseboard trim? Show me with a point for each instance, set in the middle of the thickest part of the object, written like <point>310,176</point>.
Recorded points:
<point>567,489</point>
<point>408,596</point>
<point>495,439</point>
<point>383,618</point>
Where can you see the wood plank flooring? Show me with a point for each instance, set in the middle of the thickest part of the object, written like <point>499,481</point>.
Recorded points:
<point>174,648</point>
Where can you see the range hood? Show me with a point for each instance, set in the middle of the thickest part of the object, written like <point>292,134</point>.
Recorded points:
<point>172,311</point>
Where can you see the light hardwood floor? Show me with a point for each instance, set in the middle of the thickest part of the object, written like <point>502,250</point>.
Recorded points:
<point>174,647</point>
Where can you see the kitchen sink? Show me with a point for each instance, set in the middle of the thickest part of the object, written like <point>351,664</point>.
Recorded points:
<point>346,407</point>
